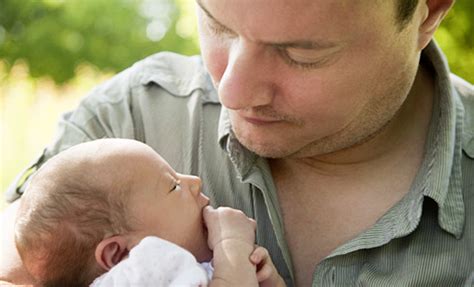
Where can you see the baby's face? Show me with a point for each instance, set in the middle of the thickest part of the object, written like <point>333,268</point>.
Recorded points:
<point>169,205</point>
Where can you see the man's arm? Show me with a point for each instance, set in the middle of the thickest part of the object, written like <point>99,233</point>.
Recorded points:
<point>11,267</point>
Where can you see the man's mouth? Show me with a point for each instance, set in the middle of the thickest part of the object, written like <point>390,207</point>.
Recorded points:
<point>260,121</point>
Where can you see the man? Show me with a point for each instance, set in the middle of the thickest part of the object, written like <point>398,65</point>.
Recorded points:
<point>325,122</point>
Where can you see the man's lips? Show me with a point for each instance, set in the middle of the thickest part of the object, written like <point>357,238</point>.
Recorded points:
<point>260,121</point>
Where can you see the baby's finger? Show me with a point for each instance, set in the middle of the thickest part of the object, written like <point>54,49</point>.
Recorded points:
<point>264,273</point>
<point>254,223</point>
<point>209,215</point>
<point>207,211</point>
<point>258,255</point>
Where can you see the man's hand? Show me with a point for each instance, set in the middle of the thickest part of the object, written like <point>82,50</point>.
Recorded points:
<point>267,275</point>
<point>225,223</point>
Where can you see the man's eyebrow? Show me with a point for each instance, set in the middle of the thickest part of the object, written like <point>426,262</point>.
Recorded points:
<point>208,14</point>
<point>304,44</point>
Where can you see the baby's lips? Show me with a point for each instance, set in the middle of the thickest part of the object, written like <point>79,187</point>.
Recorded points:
<point>204,200</point>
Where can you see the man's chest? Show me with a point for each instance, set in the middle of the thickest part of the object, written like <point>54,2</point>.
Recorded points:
<point>319,219</point>
<point>312,232</point>
<point>316,227</point>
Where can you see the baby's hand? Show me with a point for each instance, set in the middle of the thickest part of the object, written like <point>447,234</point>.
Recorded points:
<point>267,275</point>
<point>226,223</point>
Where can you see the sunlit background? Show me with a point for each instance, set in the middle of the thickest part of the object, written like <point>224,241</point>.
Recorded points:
<point>52,52</point>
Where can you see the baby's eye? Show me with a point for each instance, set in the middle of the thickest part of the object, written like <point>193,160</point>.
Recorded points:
<point>176,187</point>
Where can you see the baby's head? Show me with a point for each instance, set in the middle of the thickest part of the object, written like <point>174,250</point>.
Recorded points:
<point>89,205</point>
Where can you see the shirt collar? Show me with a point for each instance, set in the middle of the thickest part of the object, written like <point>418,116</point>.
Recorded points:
<point>440,174</point>
<point>241,157</point>
<point>224,127</point>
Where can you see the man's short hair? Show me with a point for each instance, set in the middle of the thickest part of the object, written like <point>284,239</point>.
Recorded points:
<point>405,9</point>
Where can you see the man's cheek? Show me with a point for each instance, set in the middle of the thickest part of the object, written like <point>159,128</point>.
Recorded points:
<point>216,59</point>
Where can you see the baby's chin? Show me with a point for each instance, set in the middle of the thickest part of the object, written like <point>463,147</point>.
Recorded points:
<point>202,252</point>
<point>205,254</point>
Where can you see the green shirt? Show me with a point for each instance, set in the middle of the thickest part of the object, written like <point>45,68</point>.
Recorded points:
<point>168,102</point>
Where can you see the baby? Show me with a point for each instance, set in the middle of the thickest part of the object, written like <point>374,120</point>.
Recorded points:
<point>92,209</point>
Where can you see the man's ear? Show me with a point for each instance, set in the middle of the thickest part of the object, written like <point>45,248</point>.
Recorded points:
<point>433,13</point>
<point>110,251</point>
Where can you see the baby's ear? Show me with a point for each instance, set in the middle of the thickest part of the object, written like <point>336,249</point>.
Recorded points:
<point>110,251</point>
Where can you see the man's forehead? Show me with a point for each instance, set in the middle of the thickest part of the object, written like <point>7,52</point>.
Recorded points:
<point>260,19</point>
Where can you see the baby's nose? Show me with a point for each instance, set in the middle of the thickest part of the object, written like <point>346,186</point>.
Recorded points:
<point>194,185</point>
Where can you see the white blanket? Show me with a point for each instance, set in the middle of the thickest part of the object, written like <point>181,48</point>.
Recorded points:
<point>157,262</point>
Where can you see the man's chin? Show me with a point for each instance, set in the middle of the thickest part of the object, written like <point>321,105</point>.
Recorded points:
<point>268,143</point>
<point>266,148</point>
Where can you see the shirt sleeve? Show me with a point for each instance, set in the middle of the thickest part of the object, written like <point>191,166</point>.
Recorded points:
<point>105,112</point>
<point>147,102</point>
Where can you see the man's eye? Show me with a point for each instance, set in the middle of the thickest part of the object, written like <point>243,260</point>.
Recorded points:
<point>305,59</point>
<point>218,30</point>
<point>214,28</point>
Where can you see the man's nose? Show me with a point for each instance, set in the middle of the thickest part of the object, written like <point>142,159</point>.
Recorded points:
<point>247,80</point>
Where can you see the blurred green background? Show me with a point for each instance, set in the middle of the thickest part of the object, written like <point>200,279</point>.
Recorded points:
<point>53,51</point>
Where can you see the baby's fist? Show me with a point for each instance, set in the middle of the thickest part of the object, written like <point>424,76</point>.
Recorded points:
<point>226,223</point>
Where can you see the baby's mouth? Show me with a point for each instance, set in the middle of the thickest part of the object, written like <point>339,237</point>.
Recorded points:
<point>204,230</point>
<point>204,227</point>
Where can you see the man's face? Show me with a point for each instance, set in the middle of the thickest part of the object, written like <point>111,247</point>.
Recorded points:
<point>169,205</point>
<point>307,77</point>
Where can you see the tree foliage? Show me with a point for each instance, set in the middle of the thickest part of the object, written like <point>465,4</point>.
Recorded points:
<point>53,37</point>
<point>456,37</point>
